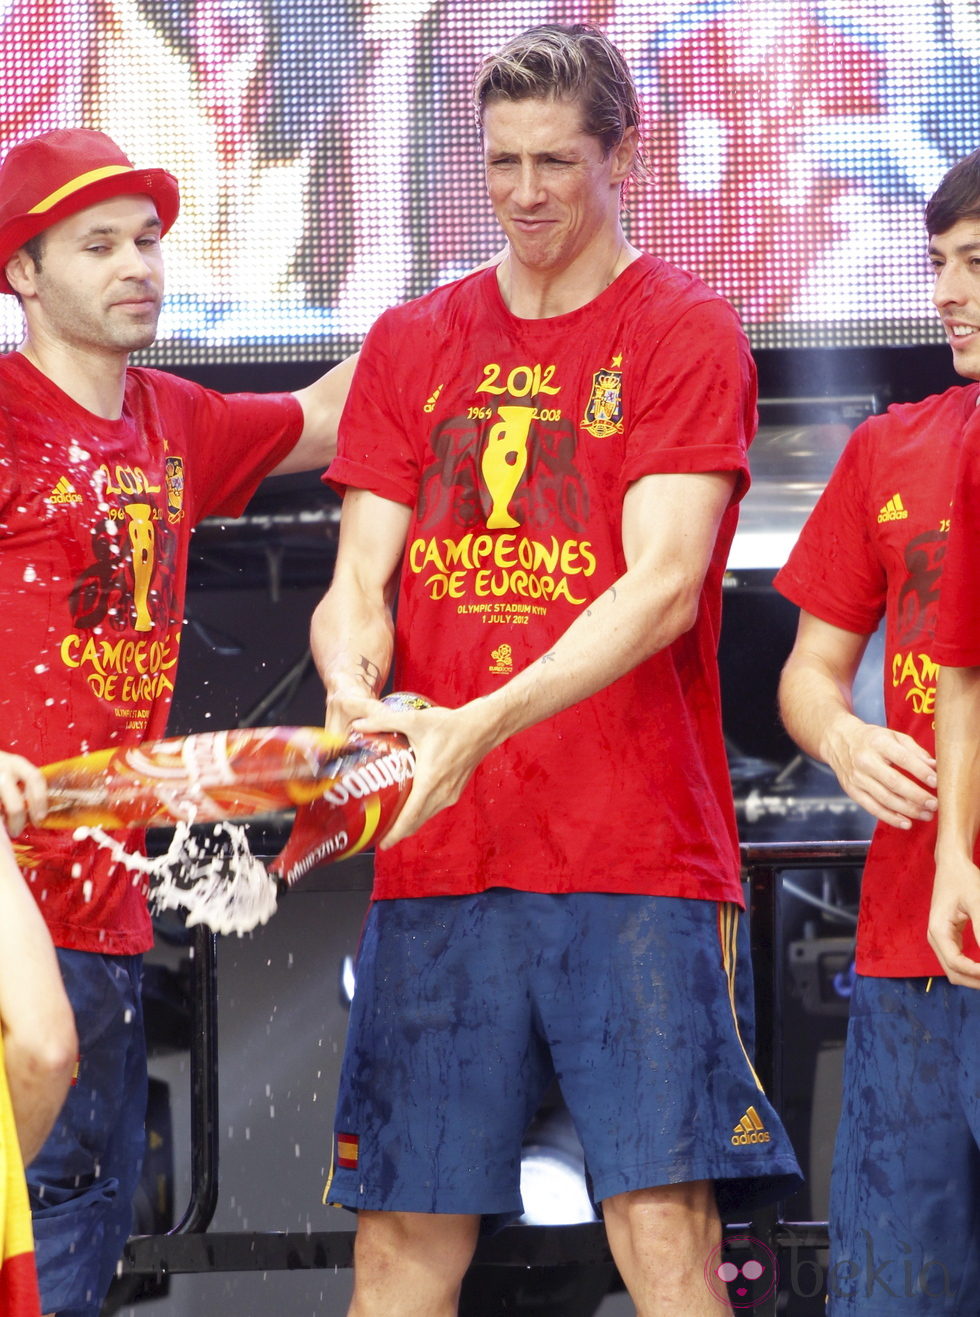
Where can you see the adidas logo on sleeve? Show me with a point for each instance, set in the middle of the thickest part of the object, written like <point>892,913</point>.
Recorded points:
<point>894,510</point>
<point>64,492</point>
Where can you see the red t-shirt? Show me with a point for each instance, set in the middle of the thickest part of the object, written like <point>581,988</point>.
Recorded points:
<point>874,546</point>
<point>958,628</point>
<point>514,442</point>
<point>95,523</point>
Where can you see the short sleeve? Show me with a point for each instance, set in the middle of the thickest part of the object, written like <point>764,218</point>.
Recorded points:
<point>230,441</point>
<point>834,570</point>
<point>10,477</point>
<point>374,450</point>
<point>697,407</point>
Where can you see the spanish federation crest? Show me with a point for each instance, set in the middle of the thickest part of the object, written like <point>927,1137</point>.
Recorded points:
<point>604,412</point>
<point>175,489</point>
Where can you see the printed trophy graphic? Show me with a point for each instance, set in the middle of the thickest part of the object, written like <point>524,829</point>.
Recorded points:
<point>141,537</point>
<point>504,462</point>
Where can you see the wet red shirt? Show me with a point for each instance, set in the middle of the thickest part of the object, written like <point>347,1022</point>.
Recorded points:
<point>95,523</point>
<point>514,442</point>
<point>874,547</point>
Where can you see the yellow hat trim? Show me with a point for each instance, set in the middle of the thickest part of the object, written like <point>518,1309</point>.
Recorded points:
<point>81,181</point>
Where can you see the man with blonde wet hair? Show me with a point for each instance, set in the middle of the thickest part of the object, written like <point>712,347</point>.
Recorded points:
<point>539,458</point>
<point>579,65</point>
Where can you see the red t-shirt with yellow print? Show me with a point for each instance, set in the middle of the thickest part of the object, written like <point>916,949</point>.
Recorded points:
<point>514,442</point>
<point>95,523</point>
<point>874,547</point>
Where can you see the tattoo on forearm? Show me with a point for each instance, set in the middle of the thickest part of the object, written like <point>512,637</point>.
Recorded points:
<point>550,657</point>
<point>370,674</point>
<point>610,594</point>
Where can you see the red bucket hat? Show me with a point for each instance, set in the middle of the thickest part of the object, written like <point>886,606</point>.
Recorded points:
<point>47,178</point>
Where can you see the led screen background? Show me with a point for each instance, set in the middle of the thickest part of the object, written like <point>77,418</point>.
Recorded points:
<point>330,163</point>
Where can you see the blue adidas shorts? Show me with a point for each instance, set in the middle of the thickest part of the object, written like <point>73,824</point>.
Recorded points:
<point>82,1182</point>
<point>905,1191</point>
<point>467,1007</point>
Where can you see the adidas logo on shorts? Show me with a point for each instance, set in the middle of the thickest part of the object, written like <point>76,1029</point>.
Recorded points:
<point>750,1129</point>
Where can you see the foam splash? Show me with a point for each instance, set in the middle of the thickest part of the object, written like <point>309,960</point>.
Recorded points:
<point>212,878</point>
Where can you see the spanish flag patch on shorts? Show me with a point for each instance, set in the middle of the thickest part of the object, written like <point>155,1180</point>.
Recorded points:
<point>347,1151</point>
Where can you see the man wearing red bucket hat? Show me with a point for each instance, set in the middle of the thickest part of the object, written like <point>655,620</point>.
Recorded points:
<point>104,471</point>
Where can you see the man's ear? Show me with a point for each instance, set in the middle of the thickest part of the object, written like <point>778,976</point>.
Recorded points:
<point>624,155</point>
<point>20,271</point>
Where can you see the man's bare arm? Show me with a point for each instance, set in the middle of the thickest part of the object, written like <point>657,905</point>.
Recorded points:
<point>884,771</point>
<point>23,793</point>
<point>352,632</point>
<point>39,1039</point>
<point>670,524</point>
<point>322,402</point>
<point>956,891</point>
